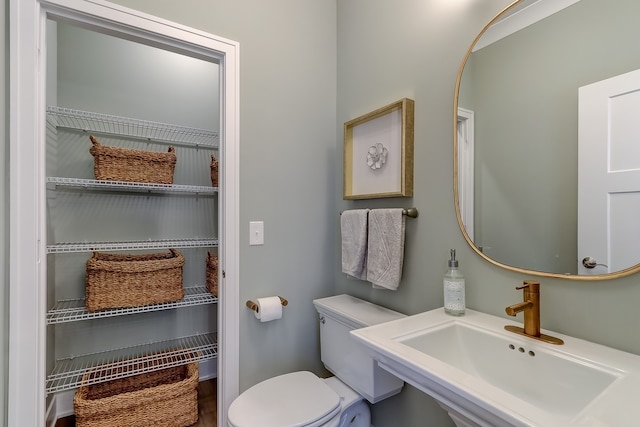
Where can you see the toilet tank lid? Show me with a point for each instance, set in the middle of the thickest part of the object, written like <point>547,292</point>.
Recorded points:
<point>361,312</point>
<point>291,400</point>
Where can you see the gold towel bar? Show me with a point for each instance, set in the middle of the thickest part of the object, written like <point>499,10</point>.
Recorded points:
<point>410,212</point>
<point>253,306</point>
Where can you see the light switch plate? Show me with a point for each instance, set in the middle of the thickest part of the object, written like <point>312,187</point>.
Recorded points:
<point>256,233</point>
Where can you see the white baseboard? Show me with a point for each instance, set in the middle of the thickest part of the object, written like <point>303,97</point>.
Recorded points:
<point>62,403</point>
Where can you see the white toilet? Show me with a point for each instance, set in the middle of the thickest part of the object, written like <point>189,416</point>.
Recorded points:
<point>301,399</point>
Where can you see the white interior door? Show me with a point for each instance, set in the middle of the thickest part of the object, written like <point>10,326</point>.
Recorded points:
<point>609,174</point>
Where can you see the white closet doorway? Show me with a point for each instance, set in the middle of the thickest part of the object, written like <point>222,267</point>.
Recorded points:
<point>78,69</point>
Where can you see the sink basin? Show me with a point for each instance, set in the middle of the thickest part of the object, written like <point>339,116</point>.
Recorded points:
<point>484,375</point>
<point>550,381</point>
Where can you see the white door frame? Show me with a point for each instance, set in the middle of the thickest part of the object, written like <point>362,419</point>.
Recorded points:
<point>465,130</point>
<point>27,237</point>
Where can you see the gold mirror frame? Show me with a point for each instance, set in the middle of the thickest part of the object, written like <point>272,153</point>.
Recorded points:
<point>622,273</point>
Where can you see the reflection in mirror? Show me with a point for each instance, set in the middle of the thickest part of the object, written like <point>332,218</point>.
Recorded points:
<point>519,202</point>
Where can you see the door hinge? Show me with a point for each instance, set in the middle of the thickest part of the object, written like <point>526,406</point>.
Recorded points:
<point>224,274</point>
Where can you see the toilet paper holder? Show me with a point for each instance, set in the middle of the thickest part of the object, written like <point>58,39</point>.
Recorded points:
<point>253,306</point>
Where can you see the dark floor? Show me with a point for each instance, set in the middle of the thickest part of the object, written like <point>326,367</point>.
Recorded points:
<point>207,407</point>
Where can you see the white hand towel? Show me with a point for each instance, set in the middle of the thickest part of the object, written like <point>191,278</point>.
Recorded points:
<point>353,227</point>
<point>385,253</point>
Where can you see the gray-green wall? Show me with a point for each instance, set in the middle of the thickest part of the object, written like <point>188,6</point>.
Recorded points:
<point>389,50</point>
<point>411,48</point>
<point>287,165</point>
<point>306,68</point>
<point>4,210</point>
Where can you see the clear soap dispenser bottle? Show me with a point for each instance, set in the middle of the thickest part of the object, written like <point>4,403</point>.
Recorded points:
<point>453,282</point>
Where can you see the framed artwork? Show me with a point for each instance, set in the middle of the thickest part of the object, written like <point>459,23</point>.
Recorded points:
<point>378,153</point>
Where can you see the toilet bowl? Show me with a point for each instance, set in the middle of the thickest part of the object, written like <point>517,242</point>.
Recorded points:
<point>301,399</point>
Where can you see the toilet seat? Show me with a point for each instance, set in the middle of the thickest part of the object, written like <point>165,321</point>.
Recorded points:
<point>297,399</point>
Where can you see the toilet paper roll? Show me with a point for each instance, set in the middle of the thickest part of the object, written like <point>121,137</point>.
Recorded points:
<point>269,308</point>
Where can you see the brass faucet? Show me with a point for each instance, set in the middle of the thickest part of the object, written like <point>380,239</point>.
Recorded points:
<point>531,307</point>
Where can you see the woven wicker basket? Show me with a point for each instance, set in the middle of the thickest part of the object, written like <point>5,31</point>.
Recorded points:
<point>167,398</point>
<point>212,274</point>
<point>116,280</point>
<point>215,166</point>
<point>125,164</point>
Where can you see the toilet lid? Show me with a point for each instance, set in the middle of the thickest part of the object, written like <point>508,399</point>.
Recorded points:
<point>291,400</point>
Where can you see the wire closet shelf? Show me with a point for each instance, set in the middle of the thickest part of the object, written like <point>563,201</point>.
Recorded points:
<point>94,184</point>
<point>124,126</point>
<point>70,247</point>
<point>111,365</point>
<point>68,373</point>
<point>73,310</point>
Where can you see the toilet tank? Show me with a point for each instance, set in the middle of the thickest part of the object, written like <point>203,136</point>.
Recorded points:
<point>347,359</point>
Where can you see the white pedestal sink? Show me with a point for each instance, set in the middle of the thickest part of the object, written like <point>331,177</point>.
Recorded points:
<point>484,375</point>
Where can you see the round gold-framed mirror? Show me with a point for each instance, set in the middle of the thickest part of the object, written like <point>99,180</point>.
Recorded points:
<point>518,161</point>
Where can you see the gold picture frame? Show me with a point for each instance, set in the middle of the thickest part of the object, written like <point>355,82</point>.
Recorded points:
<point>378,153</point>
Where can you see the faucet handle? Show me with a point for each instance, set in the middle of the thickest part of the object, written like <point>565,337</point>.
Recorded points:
<point>529,284</point>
